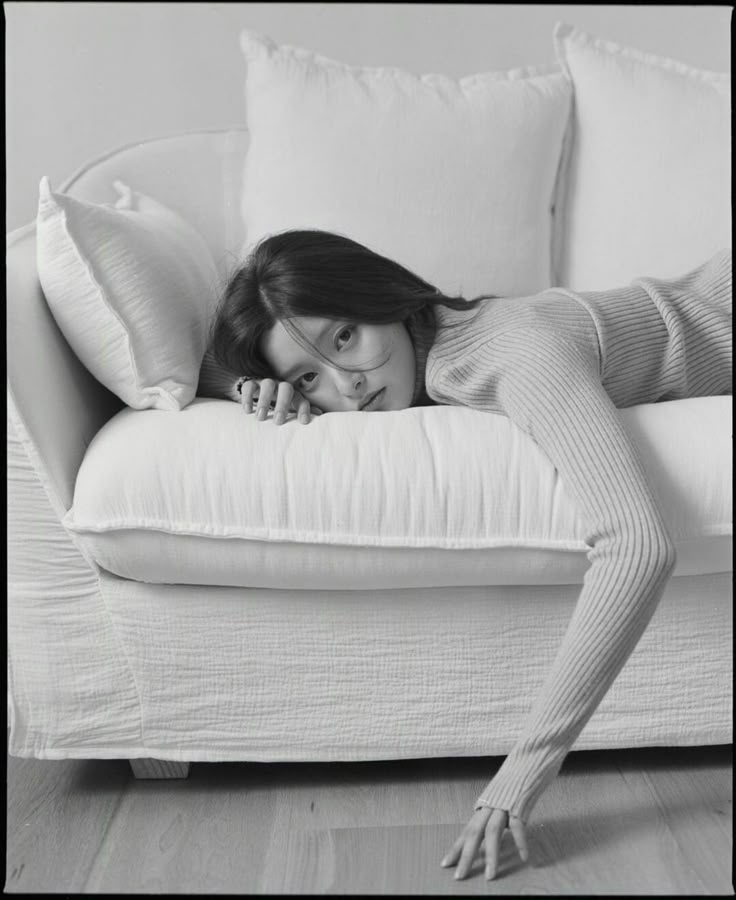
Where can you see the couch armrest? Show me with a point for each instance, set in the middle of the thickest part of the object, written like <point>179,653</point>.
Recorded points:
<point>55,404</point>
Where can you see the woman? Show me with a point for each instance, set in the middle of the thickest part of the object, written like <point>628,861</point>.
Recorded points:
<point>319,322</point>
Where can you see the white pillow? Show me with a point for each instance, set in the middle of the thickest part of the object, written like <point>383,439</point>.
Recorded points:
<point>452,178</point>
<point>132,287</point>
<point>648,190</point>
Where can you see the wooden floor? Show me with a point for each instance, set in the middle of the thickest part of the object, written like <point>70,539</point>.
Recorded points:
<point>654,821</point>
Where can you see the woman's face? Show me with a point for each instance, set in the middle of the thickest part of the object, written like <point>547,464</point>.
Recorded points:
<point>359,346</point>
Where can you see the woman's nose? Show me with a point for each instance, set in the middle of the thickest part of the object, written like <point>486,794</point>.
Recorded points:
<point>349,383</point>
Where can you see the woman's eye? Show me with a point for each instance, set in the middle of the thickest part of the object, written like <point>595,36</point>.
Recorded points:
<point>345,335</point>
<point>307,379</point>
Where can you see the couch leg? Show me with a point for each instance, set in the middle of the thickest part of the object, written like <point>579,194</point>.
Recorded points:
<point>159,768</point>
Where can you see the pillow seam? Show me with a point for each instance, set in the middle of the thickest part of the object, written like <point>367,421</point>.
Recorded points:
<point>577,39</point>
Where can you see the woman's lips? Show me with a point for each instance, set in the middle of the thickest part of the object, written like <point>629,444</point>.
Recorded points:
<point>377,397</point>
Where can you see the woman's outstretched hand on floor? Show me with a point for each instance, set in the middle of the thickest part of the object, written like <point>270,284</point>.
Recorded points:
<point>488,826</point>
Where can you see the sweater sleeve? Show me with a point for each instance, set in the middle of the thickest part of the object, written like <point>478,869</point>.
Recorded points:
<point>552,390</point>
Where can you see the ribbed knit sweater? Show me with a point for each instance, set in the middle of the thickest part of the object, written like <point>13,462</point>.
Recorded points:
<point>558,364</point>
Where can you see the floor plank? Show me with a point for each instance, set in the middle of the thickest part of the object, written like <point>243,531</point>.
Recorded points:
<point>203,835</point>
<point>45,801</point>
<point>653,821</point>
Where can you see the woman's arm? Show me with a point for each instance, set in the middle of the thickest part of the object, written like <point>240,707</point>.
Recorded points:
<point>552,390</point>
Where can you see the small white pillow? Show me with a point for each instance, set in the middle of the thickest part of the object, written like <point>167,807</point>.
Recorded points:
<point>648,189</point>
<point>454,179</point>
<point>132,287</point>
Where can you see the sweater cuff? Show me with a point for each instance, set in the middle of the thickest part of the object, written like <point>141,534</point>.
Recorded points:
<point>519,783</point>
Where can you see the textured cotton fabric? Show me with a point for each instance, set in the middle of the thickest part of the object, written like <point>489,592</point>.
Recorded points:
<point>452,177</point>
<point>647,171</point>
<point>558,364</point>
<point>399,499</point>
<point>268,675</point>
<point>132,287</point>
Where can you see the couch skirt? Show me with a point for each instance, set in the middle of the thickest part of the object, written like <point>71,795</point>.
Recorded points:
<point>199,673</point>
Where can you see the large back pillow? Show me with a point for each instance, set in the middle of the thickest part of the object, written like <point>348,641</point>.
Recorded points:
<point>648,187</point>
<point>452,178</point>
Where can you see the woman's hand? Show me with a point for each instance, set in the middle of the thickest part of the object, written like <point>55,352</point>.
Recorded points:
<point>488,824</point>
<point>263,392</point>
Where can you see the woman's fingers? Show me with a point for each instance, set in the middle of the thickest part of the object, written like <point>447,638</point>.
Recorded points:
<point>470,847</point>
<point>519,833</point>
<point>494,832</point>
<point>265,395</point>
<point>486,829</point>
<point>472,837</point>
<point>281,394</point>
<point>302,410</point>
<point>464,849</point>
<point>247,394</point>
<point>452,856</point>
<point>284,396</point>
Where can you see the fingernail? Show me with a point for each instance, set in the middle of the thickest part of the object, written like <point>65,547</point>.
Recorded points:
<point>261,414</point>
<point>304,419</point>
<point>457,875</point>
<point>278,419</point>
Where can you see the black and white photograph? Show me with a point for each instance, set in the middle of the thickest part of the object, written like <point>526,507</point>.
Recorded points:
<point>477,642</point>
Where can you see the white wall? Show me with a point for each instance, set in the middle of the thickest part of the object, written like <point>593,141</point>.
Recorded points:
<point>84,78</point>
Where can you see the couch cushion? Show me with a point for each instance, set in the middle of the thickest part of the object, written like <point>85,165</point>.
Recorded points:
<point>417,497</point>
<point>453,178</point>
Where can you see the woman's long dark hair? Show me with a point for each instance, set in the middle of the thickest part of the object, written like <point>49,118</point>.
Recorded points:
<point>315,273</point>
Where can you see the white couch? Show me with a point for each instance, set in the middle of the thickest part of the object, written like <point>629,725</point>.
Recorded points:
<point>394,630</point>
